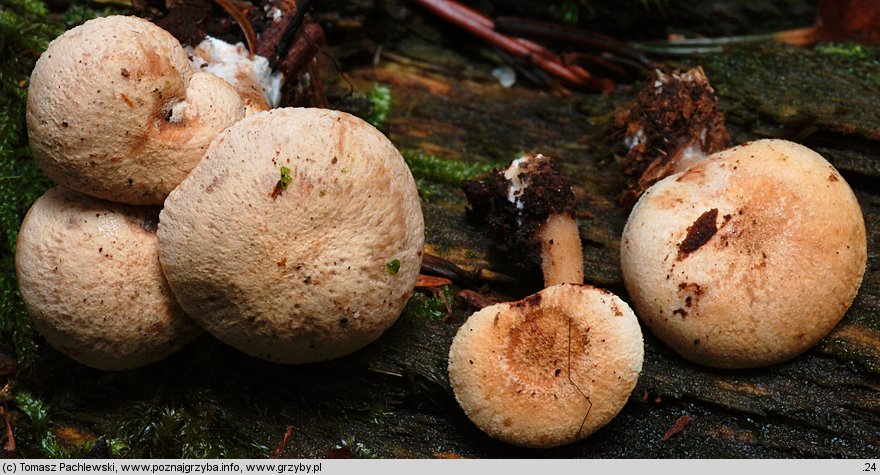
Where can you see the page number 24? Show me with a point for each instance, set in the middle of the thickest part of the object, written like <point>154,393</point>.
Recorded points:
<point>870,467</point>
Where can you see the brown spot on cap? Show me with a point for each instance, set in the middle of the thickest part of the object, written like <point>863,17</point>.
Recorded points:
<point>699,233</point>
<point>530,301</point>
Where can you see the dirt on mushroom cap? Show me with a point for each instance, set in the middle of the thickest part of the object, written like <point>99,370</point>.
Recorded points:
<point>549,369</point>
<point>115,110</point>
<point>89,275</point>
<point>782,264</point>
<point>298,272</point>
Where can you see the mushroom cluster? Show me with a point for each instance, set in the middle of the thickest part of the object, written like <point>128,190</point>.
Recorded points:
<point>117,116</point>
<point>297,237</point>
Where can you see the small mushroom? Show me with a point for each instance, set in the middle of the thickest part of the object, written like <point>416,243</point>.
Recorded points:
<point>558,365</point>
<point>674,123</point>
<point>547,370</point>
<point>747,258</point>
<point>297,238</point>
<point>530,208</point>
<point>117,111</point>
<point>89,274</point>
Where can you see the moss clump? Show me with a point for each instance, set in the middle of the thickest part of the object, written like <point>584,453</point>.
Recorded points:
<point>196,427</point>
<point>380,104</point>
<point>34,430</point>
<point>852,51</point>
<point>393,267</point>
<point>441,178</point>
<point>434,308</point>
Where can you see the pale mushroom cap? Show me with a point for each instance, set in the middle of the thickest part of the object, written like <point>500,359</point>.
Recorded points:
<point>309,273</point>
<point>89,274</point>
<point>549,369</point>
<point>748,258</point>
<point>115,110</point>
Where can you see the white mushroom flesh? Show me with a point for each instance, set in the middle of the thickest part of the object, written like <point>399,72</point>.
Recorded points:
<point>232,63</point>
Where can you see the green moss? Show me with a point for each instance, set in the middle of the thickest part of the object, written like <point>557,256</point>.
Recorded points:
<point>431,308</point>
<point>450,172</point>
<point>34,435</point>
<point>18,335</point>
<point>393,267</point>
<point>285,178</point>
<point>195,427</point>
<point>567,11</point>
<point>440,178</point>
<point>779,90</point>
<point>380,104</point>
<point>852,51</point>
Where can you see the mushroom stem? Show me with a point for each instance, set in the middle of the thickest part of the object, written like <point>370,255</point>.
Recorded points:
<point>562,260</point>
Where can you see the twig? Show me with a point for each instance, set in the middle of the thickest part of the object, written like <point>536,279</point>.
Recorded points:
<point>567,35</point>
<point>243,23</point>
<point>279,450</point>
<point>482,26</point>
<point>9,445</point>
<point>284,44</point>
<point>679,426</point>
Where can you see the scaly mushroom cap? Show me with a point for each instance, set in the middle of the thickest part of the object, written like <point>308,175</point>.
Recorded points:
<point>88,271</point>
<point>748,258</point>
<point>297,238</point>
<point>115,110</point>
<point>549,369</point>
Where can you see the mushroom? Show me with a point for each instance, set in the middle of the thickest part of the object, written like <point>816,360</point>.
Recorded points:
<point>747,258</point>
<point>558,365</point>
<point>674,123</point>
<point>297,238</point>
<point>117,111</point>
<point>89,274</point>
<point>530,207</point>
